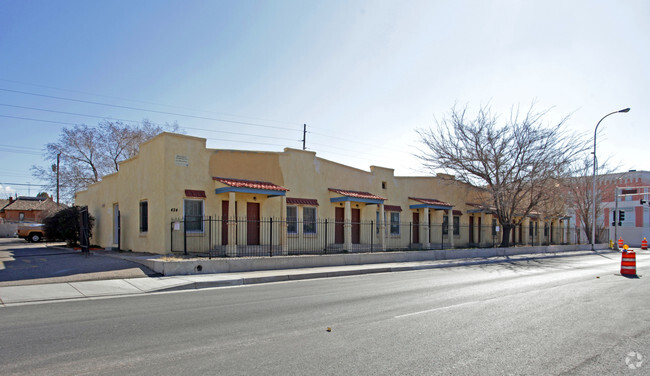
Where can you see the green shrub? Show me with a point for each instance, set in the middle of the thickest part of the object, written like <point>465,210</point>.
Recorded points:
<point>64,225</point>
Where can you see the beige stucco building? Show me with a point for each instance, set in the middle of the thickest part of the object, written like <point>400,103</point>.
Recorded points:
<point>175,177</point>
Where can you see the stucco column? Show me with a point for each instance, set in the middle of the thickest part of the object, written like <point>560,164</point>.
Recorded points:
<point>284,244</point>
<point>231,248</point>
<point>486,235</point>
<point>526,230</point>
<point>382,228</point>
<point>347,227</point>
<point>424,229</point>
<point>450,230</point>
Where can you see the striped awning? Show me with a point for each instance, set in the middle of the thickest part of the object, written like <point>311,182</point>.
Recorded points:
<point>302,201</point>
<point>430,203</point>
<point>249,186</point>
<point>356,196</point>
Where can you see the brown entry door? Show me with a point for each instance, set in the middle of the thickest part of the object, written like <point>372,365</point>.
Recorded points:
<point>416,227</point>
<point>356,226</point>
<point>253,226</point>
<point>339,215</point>
<point>224,222</point>
<point>479,230</point>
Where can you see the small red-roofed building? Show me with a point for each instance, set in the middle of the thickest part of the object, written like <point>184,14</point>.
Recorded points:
<point>28,209</point>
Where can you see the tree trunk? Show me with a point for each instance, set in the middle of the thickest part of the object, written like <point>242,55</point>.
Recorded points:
<point>505,240</point>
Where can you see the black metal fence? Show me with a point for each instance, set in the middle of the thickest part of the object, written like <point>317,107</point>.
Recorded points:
<point>241,237</point>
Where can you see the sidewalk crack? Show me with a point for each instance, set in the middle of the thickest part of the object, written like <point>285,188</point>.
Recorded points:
<point>141,290</point>
<point>79,291</point>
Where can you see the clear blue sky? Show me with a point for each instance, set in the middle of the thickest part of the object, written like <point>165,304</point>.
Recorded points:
<point>363,75</point>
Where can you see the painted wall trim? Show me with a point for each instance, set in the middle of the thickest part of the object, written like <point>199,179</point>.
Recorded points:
<point>420,206</point>
<point>353,199</point>
<point>269,192</point>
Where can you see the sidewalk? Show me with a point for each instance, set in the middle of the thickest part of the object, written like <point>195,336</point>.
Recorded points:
<point>28,294</point>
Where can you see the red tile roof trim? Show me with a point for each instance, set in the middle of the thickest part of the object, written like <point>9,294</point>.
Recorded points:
<point>241,183</point>
<point>356,194</point>
<point>396,208</point>
<point>431,201</point>
<point>194,193</point>
<point>301,201</point>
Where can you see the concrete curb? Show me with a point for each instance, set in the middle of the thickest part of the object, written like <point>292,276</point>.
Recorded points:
<point>29,294</point>
<point>294,274</point>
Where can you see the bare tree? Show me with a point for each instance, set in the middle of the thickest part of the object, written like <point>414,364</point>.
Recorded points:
<point>88,153</point>
<point>517,163</point>
<point>579,189</point>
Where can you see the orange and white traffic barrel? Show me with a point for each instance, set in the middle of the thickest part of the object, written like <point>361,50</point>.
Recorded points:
<point>644,244</point>
<point>628,263</point>
<point>620,242</point>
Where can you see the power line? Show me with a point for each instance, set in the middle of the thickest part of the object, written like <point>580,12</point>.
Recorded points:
<point>44,121</point>
<point>193,128</point>
<point>354,141</point>
<point>345,149</point>
<point>25,184</point>
<point>246,142</point>
<point>19,147</point>
<point>65,113</point>
<point>20,151</point>
<point>178,114</point>
<point>147,102</point>
<point>145,110</point>
<point>241,134</point>
<point>199,129</point>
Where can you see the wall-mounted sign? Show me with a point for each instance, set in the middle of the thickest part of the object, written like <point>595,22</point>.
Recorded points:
<point>181,160</point>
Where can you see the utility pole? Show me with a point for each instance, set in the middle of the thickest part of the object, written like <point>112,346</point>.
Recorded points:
<point>616,218</point>
<point>58,161</point>
<point>304,136</point>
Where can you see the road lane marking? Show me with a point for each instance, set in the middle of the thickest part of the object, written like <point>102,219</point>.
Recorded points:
<point>438,309</point>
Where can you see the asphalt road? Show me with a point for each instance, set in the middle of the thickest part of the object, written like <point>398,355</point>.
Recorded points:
<point>572,316</point>
<point>23,263</point>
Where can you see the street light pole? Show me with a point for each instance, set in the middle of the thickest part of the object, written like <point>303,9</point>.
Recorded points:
<point>593,189</point>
